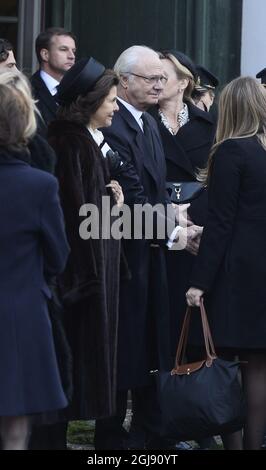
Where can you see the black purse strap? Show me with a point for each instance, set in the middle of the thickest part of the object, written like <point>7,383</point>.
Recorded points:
<point>208,341</point>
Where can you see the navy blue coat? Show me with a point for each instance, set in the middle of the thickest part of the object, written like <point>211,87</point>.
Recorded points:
<point>33,247</point>
<point>231,264</point>
<point>143,319</point>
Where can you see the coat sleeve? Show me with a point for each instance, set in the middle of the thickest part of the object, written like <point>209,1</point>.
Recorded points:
<point>223,203</point>
<point>53,236</point>
<point>128,178</point>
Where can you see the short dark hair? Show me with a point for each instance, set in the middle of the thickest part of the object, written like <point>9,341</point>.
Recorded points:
<point>5,47</point>
<point>85,106</point>
<point>43,41</point>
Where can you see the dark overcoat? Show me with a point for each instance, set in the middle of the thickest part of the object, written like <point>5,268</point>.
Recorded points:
<point>143,320</point>
<point>89,286</point>
<point>33,247</point>
<point>46,102</point>
<point>185,153</point>
<point>42,156</point>
<point>231,264</point>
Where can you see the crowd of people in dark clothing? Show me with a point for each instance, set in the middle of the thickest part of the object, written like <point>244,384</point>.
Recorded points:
<point>85,318</point>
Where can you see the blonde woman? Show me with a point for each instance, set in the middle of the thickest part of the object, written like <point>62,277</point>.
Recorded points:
<point>230,270</point>
<point>33,248</point>
<point>187,134</point>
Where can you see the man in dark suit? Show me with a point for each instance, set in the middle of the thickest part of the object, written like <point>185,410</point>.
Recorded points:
<point>55,50</point>
<point>42,155</point>
<point>143,342</point>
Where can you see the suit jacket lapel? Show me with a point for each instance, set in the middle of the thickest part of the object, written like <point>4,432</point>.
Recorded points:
<point>175,151</point>
<point>178,147</point>
<point>193,126</point>
<point>144,151</point>
<point>44,93</point>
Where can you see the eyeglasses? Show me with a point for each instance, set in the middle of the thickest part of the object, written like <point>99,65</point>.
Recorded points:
<point>151,80</point>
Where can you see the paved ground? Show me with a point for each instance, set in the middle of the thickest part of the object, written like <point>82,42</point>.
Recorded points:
<point>81,435</point>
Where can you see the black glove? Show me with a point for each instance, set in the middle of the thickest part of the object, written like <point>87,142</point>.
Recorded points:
<point>115,162</point>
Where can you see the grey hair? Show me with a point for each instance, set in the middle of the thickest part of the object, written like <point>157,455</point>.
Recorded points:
<point>130,57</point>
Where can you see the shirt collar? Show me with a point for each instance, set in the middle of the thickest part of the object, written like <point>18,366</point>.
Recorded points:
<point>96,135</point>
<point>136,113</point>
<point>50,82</point>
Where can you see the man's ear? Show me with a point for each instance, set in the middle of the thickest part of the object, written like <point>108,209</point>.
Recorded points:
<point>124,81</point>
<point>44,53</point>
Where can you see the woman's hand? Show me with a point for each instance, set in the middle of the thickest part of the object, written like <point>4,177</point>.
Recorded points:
<point>117,192</point>
<point>193,296</point>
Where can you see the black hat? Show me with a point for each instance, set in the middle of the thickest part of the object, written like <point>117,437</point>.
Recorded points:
<point>206,78</point>
<point>184,60</point>
<point>79,80</point>
<point>262,76</point>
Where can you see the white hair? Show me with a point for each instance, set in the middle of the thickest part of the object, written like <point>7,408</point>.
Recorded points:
<point>130,57</point>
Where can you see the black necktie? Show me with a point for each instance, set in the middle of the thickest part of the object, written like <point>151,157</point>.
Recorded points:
<point>55,95</point>
<point>148,133</point>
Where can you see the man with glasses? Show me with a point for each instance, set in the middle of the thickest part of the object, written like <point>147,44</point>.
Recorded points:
<point>7,59</point>
<point>143,342</point>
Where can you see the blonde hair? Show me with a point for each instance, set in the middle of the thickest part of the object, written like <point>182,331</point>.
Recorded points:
<point>241,113</point>
<point>19,83</point>
<point>181,72</point>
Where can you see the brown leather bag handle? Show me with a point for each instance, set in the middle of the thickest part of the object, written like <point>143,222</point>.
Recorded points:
<point>207,328</point>
<point>208,341</point>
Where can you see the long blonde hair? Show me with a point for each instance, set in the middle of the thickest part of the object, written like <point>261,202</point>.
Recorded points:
<point>19,83</point>
<point>241,113</point>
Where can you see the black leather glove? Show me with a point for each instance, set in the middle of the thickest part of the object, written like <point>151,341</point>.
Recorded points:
<point>115,162</point>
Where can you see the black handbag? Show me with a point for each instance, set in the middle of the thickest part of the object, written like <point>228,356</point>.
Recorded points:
<point>184,192</point>
<point>200,399</point>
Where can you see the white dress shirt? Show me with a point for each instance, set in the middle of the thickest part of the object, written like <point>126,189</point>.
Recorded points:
<point>99,139</point>
<point>50,82</point>
<point>136,113</point>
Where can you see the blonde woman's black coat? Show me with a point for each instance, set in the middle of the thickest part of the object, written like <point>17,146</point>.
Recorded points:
<point>185,152</point>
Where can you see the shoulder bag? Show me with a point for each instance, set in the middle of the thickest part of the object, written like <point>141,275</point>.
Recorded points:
<point>203,398</point>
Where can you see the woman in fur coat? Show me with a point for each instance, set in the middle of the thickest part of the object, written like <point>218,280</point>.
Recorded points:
<point>89,286</point>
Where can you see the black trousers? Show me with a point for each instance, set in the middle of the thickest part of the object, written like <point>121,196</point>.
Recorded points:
<point>144,432</point>
<point>109,432</point>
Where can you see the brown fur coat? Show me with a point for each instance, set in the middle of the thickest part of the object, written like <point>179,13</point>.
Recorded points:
<point>90,283</point>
